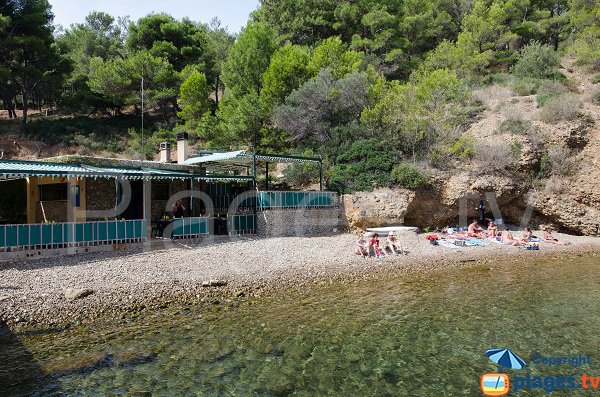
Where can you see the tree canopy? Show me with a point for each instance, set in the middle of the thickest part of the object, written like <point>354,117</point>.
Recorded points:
<point>335,78</point>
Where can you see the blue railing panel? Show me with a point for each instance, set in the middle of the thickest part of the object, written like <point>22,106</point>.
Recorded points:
<point>242,224</point>
<point>189,227</point>
<point>280,200</point>
<point>61,235</point>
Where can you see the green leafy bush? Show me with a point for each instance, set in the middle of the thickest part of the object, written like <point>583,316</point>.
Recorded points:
<point>549,89</point>
<point>524,85</point>
<point>596,79</point>
<point>560,108</point>
<point>516,148</point>
<point>365,165</point>
<point>301,174</point>
<point>409,176</point>
<point>537,60</point>
<point>463,148</point>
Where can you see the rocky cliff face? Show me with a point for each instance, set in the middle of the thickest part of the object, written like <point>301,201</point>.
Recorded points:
<point>570,201</point>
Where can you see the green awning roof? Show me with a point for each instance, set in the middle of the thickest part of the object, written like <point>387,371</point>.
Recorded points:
<point>11,169</point>
<point>242,157</point>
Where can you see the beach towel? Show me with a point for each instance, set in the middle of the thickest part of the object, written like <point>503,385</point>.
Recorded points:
<point>494,240</point>
<point>447,244</point>
<point>475,242</point>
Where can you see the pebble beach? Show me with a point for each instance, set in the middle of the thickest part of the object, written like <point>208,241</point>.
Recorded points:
<point>39,293</point>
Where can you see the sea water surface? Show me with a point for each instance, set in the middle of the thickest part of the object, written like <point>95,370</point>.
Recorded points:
<point>417,335</point>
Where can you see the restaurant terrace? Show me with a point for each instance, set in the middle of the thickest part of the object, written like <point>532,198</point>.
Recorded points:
<point>80,202</point>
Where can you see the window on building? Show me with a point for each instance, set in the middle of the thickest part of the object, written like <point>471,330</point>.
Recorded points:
<point>54,192</point>
<point>160,191</point>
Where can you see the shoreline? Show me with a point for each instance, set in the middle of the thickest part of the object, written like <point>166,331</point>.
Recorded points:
<point>32,294</point>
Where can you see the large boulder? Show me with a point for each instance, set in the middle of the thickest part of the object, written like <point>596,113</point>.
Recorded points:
<point>380,207</point>
<point>77,293</point>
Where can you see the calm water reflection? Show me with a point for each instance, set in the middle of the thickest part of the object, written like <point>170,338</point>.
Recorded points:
<point>422,335</point>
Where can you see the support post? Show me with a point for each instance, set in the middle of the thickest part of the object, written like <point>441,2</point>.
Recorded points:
<point>267,176</point>
<point>254,179</point>
<point>71,208</point>
<point>192,198</point>
<point>147,190</point>
<point>321,175</point>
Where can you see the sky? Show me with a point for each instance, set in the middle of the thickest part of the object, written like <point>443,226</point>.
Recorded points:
<point>232,13</point>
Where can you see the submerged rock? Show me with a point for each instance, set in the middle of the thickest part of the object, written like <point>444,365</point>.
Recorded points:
<point>214,283</point>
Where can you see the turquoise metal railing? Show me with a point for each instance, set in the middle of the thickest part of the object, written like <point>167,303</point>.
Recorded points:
<point>241,224</point>
<point>189,227</point>
<point>70,234</point>
<point>277,200</point>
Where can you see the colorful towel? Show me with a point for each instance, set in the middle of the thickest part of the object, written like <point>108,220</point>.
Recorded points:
<point>475,242</point>
<point>447,244</point>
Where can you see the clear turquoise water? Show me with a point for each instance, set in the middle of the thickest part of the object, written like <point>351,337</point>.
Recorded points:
<point>418,335</point>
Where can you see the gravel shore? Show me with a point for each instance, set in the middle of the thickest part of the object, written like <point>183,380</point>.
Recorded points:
<point>32,293</point>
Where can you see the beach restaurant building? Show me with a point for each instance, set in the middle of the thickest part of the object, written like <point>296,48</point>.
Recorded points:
<point>73,204</point>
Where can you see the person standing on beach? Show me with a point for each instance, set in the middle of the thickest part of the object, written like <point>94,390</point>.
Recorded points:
<point>481,210</point>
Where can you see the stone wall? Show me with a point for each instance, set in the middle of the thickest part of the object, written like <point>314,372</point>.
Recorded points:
<point>159,207</point>
<point>298,222</point>
<point>56,211</point>
<point>100,194</point>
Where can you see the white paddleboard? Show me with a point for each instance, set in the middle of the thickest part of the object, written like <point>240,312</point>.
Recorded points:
<point>384,230</point>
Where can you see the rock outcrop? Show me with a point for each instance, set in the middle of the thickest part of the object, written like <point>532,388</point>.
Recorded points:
<point>567,198</point>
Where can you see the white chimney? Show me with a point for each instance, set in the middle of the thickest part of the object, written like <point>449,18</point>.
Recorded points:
<point>182,147</point>
<point>165,152</point>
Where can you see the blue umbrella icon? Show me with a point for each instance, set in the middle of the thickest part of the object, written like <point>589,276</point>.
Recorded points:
<point>505,358</point>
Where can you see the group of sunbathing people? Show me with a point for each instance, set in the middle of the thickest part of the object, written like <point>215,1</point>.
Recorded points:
<point>372,247</point>
<point>476,231</point>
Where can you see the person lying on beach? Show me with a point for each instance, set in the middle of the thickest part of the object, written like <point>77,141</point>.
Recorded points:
<point>492,230</point>
<point>362,246</point>
<point>374,243</point>
<point>393,243</point>
<point>549,237</point>
<point>475,230</point>
<point>507,238</point>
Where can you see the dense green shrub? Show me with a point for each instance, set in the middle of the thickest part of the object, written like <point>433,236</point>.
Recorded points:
<point>365,165</point>
<point>537,61</point>
<point>560,108</point>
<point>524,85</point>
<point>596,79</point>
<point>463,147</point>
<point>549,89</point>
<point>301,174</point>
<point>409,176</point>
